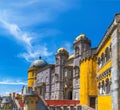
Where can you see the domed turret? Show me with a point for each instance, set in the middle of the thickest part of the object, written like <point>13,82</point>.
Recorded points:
<point>81,44</point>
<point>38,63</point>
<point>33,70</point>
<point>61,50</point>
<point>81,36</point>
<point>61,55</point>
<point>71,57</point>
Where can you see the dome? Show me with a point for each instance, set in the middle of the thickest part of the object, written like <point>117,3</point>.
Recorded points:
<point>38,63</point>
<point>61,49</point>
<point>81,36</point>
<point>71,57</point>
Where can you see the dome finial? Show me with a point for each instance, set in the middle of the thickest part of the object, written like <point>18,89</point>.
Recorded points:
<point>40,57</point>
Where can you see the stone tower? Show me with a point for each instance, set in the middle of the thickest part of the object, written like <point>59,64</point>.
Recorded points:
<point>61,57</point>
<point>30,99</point>
<point>80,45</point>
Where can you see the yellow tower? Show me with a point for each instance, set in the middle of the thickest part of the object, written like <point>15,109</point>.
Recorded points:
<point>33,69</point>
<point>88,83</point>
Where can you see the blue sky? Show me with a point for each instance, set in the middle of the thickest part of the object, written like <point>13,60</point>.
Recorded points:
<point>30,28</point>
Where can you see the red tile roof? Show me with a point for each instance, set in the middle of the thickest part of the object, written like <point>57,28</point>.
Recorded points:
<point>62,102</point>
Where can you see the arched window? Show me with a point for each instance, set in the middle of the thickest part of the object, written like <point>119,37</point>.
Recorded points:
<point>103,58</point>
<point>100,88</point>
<point>76,69</point>
<point>32,74</point>
<point>107,51</point>
<point>77,51</point>
<point>103,87</point>
<point>107,86</point>
<point>57,60</point>
<point>65,73</point>
<point>99,63</point>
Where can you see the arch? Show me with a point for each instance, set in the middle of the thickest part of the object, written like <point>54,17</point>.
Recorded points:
<point>65,72</point>
<point>99,63</point>
<point>76,71</point>
<point>103,58</point>
<point>107,86</point>
<point>76,51</point>
<point>68,94</point>
<point>103,87</point>
<point>107,53</point>
<point>100,88</point>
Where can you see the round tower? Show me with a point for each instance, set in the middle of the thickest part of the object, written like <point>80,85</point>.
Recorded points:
<point>32,71</point>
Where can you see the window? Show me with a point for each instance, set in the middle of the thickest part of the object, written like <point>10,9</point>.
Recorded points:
<point>32,73</point>
<point>103,58</point>
<point>103,87</point>
<point>107,51</point>
<point>76,71</point>
<point>57,61</point>
<point>65,72</point>
<point>56,77</point>
<point>108,86</point>
<point>77,51</point>
<point>47,79</point>
<point>100,88</point>
<point>99,63</point>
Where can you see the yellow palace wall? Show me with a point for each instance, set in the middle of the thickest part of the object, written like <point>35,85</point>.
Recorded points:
<point>88,84</point>
<point>104,101</point>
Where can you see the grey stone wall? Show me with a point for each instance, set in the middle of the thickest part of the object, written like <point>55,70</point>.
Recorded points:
<point>115,91</point>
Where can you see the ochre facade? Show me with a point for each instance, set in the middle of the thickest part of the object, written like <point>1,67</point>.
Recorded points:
<point>104,65</point>
<point>99,71</point>
<point>104,103</point>
<point>88,83</point>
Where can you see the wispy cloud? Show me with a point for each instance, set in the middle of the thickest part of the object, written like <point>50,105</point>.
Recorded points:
<point>18,15</point>
<point>25,39</point>
<point>17,33</point>
<point>35,52</point>
<point>29,12</point>
<point>11,82</point>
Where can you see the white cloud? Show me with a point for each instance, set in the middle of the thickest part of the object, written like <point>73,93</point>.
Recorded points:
<point>17,32</point>
<point>29,12</point>
<point>32,52</point>
<point>11,82</point>
<point>18,15</point>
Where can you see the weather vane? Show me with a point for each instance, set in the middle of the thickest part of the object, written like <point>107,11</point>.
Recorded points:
<point>40,57</point>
